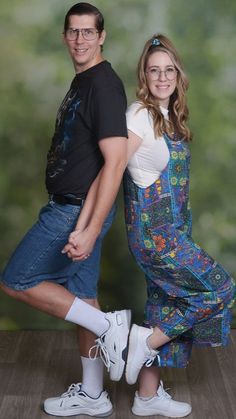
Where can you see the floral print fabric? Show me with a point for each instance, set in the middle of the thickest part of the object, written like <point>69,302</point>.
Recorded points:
<point>189,295</point>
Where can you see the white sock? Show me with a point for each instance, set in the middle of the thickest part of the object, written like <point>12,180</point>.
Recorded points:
<point>92,382</point>
<point>145,399</point>
<point>87,316</point>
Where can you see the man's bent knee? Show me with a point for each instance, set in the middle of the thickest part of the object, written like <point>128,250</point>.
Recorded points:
<point>17,294</point>
<point>9,291</point>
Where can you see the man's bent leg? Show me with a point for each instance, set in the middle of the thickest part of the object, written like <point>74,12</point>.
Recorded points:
<point>51,298</point>
<point>55,300</point>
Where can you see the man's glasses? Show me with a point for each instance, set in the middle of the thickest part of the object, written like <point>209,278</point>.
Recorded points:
<point>154,73</point>
<point>89,34</point>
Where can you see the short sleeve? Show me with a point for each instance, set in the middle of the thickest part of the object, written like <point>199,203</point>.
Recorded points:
<point>109,112</point>
<point>137,119</point>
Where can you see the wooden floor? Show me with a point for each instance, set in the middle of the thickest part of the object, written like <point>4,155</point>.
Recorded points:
<point>35,365</point>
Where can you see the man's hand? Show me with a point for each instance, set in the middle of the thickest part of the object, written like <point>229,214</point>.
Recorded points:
<point>80,244</point>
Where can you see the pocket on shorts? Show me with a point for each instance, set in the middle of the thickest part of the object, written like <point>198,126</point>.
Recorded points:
<point>60,218</point>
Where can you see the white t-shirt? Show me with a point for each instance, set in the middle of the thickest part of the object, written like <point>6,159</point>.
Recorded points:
<point>147,163</point>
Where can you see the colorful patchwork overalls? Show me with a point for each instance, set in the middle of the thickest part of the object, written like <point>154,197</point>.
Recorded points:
<point>189,295</point>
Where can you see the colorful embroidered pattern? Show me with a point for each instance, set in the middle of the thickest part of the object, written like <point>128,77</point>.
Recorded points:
<point>189,294</point>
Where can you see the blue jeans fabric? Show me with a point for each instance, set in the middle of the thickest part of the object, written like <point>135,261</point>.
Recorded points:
<point>38,256</point>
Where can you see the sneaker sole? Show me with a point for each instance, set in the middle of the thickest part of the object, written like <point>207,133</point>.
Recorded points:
<point>148,412</point>
<point>133,342</point>
<point>81,411</point>
<point>126,321</point>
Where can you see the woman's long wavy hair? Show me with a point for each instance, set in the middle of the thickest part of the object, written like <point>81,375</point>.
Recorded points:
<point>178,110</point>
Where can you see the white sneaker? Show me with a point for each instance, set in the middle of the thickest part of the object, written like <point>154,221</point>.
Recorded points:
<point>161,404</point>
<point>112,345</point>
<point>139,352</point>
<point>76,402</point>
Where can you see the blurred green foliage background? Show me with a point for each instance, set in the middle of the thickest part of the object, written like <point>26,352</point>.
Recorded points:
<point>35,74</point>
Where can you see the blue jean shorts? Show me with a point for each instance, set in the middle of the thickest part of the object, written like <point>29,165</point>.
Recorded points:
<point>38,256</point>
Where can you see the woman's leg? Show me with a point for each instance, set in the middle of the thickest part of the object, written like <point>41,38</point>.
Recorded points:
<point>157,339</point>
<point>152,399</point>
<point>149,379</point>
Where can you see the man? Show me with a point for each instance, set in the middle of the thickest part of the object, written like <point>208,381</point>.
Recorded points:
<point>56,266</point>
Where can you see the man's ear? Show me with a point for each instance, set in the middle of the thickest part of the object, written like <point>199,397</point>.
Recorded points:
<point>102,37</point>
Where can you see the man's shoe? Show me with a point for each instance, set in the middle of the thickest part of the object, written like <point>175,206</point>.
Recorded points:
<point>139,353</point>
<point>112,344</point>
<point>76,402</point>
<point>161,404</point>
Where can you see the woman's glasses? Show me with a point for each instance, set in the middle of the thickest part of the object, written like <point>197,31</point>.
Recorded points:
<point>154,73</point>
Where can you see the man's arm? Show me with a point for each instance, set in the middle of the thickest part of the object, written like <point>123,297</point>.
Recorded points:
<point>88,207</point>
<point>114,151</point>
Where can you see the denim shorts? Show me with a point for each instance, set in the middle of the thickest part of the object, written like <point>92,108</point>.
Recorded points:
<point>38,257</point>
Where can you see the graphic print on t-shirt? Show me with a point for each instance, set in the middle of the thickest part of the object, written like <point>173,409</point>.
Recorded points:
<point>93,109</point>
<point>63,135</point>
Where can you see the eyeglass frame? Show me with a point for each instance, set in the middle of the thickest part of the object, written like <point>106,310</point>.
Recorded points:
<point>163,71</point>
<point>78,31</point>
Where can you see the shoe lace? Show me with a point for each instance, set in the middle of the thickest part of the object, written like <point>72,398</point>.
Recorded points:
<point>151,358</point>
<point>100,351</point>
<point>72,390</point>
<point>162,392</point>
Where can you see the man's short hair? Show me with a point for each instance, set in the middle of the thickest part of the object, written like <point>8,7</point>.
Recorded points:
<point>85,9</point>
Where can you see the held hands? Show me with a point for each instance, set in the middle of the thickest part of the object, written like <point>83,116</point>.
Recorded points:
<point>80,245</point>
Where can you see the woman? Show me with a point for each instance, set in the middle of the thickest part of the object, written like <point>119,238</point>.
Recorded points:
<point>189,294</point>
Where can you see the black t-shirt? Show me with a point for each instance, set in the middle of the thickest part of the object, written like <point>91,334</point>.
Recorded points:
<point>93,109</point>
